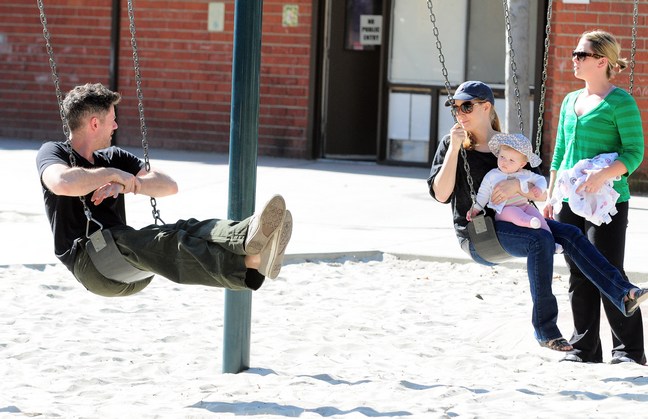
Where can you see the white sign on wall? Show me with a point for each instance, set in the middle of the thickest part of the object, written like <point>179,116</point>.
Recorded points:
<point>370,29</point>
<point>216,17</point>
<point>290,15</point>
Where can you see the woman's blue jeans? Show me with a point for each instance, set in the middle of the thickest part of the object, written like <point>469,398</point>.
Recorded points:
<point>538,246</point>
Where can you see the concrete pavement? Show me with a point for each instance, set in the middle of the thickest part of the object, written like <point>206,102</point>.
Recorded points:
<point>339,208</point>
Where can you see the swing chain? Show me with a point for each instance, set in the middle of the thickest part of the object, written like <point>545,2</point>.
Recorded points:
<point>138,83</point>
<point>444,70</point>
<point>543,87</point>
<point>52,63</point>
<point>140,105</point>
<point>509,38</point>
<point>59,99</point>
<point>635,14</point>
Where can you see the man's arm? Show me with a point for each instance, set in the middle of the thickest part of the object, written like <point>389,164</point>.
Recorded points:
<point>153,183</point>
<point>106,182</point>
<point>156,184</point>
<point>77,181</point>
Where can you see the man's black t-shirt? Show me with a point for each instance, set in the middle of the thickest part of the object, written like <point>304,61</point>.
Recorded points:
<point>65,213</point>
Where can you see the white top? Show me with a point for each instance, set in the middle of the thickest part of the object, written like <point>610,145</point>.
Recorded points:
<point>495,176</point>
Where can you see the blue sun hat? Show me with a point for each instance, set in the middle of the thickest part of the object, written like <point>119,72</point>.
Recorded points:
<point>517,142</point>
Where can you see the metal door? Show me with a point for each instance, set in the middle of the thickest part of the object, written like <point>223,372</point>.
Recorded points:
<point>350,79</point>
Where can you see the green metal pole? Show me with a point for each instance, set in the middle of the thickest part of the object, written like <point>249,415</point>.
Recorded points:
<point>244,123</point>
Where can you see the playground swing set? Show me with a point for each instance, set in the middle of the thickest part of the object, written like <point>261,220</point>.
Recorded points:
<point>109,261</point>
<point>242,169</point>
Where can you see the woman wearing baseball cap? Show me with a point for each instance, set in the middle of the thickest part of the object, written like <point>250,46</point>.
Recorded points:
<point>473,105</point>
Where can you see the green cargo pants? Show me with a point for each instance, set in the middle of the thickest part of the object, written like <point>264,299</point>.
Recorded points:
<point>206,252</point>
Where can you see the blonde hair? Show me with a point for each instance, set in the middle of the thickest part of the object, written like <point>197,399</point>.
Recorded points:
<point>469,143</point>
<point>605,45</point>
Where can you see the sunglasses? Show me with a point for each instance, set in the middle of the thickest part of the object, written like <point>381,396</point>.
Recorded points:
<point>581,55</point>
<point>465,108</point>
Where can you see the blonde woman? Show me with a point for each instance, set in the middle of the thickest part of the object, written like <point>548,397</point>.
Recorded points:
<point>599,118</point>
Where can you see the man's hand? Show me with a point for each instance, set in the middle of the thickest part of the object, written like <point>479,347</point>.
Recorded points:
<point>131,183</point>
<point>112,189</point>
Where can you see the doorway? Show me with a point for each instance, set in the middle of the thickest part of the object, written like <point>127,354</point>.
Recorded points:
<point>350,82</point>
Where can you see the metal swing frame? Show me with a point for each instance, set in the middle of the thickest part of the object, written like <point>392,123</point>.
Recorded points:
<point>101,247</point>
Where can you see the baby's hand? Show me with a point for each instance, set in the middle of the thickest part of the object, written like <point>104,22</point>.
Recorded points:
<point>471,213</point>
<point>537,192</point>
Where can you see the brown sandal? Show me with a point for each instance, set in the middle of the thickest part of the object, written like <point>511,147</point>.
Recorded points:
<point>558,344</point>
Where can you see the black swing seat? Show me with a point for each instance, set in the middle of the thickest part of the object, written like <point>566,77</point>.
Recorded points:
<point>109,261</point>
<point>484,239</point>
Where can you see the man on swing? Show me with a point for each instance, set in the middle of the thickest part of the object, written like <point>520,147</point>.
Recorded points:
<point>220,253</point>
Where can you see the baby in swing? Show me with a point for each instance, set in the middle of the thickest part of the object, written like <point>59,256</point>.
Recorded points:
<point>513,152</point>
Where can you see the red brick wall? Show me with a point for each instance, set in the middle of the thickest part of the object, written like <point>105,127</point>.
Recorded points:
<point>569,21</point>
<point>186,71</point>
<point>29,107</point>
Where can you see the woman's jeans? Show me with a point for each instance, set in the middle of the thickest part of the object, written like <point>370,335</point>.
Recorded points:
<point>538,246</point>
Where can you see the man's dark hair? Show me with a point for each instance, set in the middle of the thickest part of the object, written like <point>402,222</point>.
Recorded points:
<point>86,100</point>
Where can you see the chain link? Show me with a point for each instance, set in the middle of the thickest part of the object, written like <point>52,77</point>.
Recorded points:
<point>140,105</point>
<point>509,38</point>
<point>633,50</point>
<point>543,87</point>
<point>52,63</point>
<point>444,70</point>
<point>59,99</point>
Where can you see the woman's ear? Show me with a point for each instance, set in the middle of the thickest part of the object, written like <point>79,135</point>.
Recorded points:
<point>603,62</point>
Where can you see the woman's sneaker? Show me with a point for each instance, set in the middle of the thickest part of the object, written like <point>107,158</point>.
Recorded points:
<point>272,255</point>
<point>264,224</point>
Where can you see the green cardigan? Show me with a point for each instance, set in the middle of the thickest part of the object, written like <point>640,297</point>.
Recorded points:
<point>614,126</point>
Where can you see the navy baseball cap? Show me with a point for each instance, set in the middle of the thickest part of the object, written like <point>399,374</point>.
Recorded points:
<point>470,90</point>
